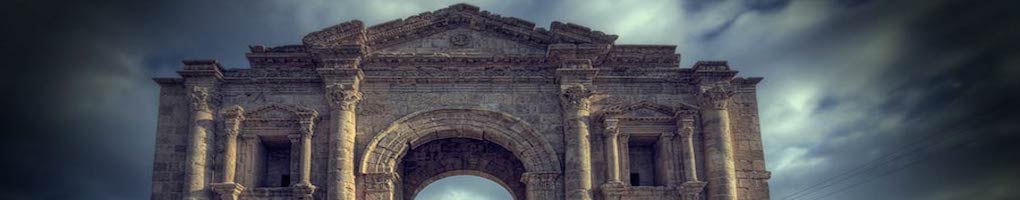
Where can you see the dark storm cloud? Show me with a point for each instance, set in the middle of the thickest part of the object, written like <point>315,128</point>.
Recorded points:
<point>847,81</point>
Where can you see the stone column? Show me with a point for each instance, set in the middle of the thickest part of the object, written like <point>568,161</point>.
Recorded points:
<point>379,186</point>
<point>624,155</point>
<point>667,160</point>
<point>228,189</point>
<point>721,174</point>
<point>685,126</point>
<point>304,188</point>
<point>540,185</point>
<point>342,98</point>
<point>198,146</point>
<point>611,135</point>
<point>576,110</point>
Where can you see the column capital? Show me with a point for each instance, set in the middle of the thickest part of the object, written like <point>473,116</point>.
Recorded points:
<point>342,97</point>
<point>685,127</point>
<point>715,97</point>
<point>200,98</point>
<point>575,96</point>
<point>233,117</point>
<point>612,128</point>
<point>307,122</point>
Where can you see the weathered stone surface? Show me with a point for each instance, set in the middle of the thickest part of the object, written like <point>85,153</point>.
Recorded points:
<point>378,112</point>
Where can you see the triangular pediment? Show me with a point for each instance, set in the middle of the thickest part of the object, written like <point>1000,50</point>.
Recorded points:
<point>645,112</point>
<point>460,41</point>
<point>277,112</point>
<point>460,16</point>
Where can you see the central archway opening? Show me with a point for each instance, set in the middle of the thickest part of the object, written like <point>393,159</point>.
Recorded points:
<point>464,187</point>
<point>454,158</point>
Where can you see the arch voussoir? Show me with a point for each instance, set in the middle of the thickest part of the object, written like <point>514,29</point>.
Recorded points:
<point>511,133</point>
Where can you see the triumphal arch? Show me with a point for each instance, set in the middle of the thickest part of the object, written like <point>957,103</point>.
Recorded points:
<point>379,112</point>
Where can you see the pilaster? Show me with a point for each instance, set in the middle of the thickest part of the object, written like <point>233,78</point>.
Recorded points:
<point>575,76</point>
<point>342,80</point>
<point>201,78</point>
<point>228,189</point>
<point>611,136</point>
<point>718,138</point>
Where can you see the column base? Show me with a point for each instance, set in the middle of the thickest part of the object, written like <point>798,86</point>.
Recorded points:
<point>613,184</point>
<point>227,191</point>
<point>303,191</point>
<point>692,189</point>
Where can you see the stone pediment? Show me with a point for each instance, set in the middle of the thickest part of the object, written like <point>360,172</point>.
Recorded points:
<point>460,41</point>
<point>460,16</point>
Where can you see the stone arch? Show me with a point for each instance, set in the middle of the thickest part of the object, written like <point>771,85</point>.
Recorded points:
<point>385,150</point>
<point>460,156</point>
<point>484,175</point>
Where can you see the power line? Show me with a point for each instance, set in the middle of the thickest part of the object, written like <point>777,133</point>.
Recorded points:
<point>871,165</point>
<point>926,156</point>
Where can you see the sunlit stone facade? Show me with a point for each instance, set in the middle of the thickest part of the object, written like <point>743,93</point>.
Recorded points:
<point>379,112</point>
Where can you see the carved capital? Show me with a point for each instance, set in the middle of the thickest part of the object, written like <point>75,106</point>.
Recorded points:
<point>233,116</point>
<point>199,98</point>
<point>575,96</point>
<point>342,97</point>
<point>543,180</point>
<point>686,126</point>
<point>307,121</point>
<point>716,97</point>
<point>612,128</point>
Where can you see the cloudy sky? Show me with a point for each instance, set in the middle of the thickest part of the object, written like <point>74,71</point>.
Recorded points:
<point>862,99</point>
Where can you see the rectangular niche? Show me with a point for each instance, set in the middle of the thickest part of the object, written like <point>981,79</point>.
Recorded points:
<point>273,162</point>
<point>643,165</point>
